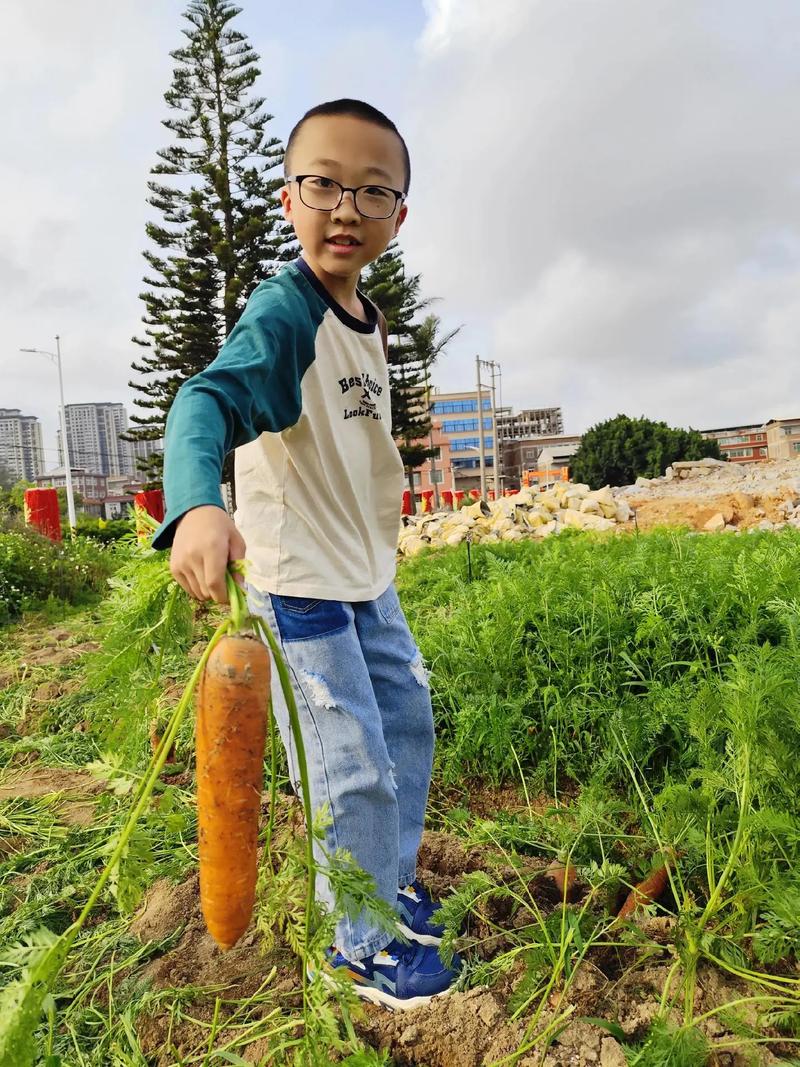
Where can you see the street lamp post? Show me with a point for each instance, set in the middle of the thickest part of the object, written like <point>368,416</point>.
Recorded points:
<point>56,358</point>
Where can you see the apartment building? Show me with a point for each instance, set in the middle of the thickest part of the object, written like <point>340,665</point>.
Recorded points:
<point>21,449</point>
<point>144,449</point>
<point>741,444</point>
<point>783,438</point>
<point>94,438</point>
<point>436,474</point>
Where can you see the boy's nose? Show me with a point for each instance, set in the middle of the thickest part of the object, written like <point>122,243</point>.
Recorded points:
<point>346,211</point>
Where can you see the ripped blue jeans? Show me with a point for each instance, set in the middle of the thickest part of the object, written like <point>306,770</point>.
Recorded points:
<point>365,714</point>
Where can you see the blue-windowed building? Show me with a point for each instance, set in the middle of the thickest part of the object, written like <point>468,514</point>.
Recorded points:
<point>456,415</point>
<point>513,440</point>
<point>456,432</point>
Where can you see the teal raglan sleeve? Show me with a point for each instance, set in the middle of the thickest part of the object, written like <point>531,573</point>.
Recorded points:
<point>252,387</point>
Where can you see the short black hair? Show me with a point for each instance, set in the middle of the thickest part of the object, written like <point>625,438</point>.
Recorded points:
<point>358,109</point>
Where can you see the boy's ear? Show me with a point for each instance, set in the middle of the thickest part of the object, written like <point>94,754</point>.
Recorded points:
<point>401,218</point>
<point>286,202</point>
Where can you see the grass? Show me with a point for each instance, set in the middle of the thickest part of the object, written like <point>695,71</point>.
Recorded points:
<point>646,686</point>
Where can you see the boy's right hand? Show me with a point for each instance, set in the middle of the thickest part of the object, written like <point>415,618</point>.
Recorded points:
<point>206,541</point>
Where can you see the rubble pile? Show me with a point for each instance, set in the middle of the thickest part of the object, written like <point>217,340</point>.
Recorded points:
<point>707,495</point>
<point>713,495</point>
<point>528,513</point>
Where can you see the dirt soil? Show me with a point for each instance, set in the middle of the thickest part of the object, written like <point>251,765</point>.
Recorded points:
<point>56,646</point>
<point>76,808</point>
<point>464,1029</point>
<point>195,960</point>
<point>741,510</point>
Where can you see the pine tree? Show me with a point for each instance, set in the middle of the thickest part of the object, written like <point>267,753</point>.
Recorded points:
<point>414,345</point>
<point>221,230</point>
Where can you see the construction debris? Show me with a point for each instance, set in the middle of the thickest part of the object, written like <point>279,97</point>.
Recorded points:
<point>707,495</point>
<point>527,514</point>
<point>713,495</point>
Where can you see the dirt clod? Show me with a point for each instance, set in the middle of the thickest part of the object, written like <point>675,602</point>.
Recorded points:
<point>611,1054</point>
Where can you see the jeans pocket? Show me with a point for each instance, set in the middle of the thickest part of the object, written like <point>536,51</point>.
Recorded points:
<point>301,618</point>
<point>388,604</point>
<point>299,604</point>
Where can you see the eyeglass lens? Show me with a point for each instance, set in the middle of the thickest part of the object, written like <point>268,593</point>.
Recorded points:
<point>324,194</point>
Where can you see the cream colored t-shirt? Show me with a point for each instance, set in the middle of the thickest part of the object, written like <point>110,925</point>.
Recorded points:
<point>301,390</point>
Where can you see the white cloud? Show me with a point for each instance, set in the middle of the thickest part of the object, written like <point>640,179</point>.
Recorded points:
<point>610,201</point>
<point>93,104</point>
<point>81,84</point>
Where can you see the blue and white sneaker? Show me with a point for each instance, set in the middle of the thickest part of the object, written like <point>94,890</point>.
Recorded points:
<point>418,915</point>
<point>400,976</point>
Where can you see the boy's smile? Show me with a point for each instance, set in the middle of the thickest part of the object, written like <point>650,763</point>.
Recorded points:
<point>338,243</point>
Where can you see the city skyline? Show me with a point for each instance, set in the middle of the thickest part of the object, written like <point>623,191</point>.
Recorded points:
<point>88,443</point>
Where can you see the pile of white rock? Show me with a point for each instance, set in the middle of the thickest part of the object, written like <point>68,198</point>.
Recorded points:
<point>696,477</point>
<point>527,514</point>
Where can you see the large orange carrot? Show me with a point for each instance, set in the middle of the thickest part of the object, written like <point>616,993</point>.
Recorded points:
<point>231,735</point>
<point>645,892</point>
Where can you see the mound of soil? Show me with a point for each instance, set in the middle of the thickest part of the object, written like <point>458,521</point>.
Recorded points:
<point>75,809</point>
<point>38,781</point>
<point>741,510</point>
<point>195,960</point>
<point>56,655</point>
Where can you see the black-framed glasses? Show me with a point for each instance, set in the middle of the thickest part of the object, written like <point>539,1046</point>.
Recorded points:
<point>324,194</point>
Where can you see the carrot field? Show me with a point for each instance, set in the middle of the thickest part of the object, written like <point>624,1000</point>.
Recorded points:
<point>612,712</point>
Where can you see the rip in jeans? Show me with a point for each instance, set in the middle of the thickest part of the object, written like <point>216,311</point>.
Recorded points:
<point>420,671</point>
<point>318,689</point>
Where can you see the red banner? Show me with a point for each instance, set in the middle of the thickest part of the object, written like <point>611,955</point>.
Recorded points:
<point>150,501</point>
<point>41,512</point>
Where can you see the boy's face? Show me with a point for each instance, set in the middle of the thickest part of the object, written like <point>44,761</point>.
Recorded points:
<point>354,153</point>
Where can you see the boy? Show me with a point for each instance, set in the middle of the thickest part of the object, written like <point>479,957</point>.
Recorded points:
<point>301,390</point>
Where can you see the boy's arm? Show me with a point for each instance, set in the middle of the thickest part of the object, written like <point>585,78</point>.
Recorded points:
<point>244,392</point>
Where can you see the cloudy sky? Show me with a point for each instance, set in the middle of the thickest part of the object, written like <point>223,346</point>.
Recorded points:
<point>606,192</point>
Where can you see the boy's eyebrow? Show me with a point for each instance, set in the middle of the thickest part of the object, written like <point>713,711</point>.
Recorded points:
<point>379,171</point>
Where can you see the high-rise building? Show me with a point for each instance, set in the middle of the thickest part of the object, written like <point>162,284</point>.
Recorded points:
<point>21,450</point>
<point>145,449</point>
<point>94,438</point>
<point>454,417</point>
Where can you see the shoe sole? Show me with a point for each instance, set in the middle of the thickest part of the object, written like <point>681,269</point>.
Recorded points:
<point>385,1000</point>
<point>421,939</point>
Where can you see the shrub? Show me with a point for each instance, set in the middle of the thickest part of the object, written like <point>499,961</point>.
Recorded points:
<point>33,569</point>
<point>106,532</point>
<point>617,451</point>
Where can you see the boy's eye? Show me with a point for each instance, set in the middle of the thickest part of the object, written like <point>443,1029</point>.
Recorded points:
<point>320,183</point>
<point>377,191</point>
